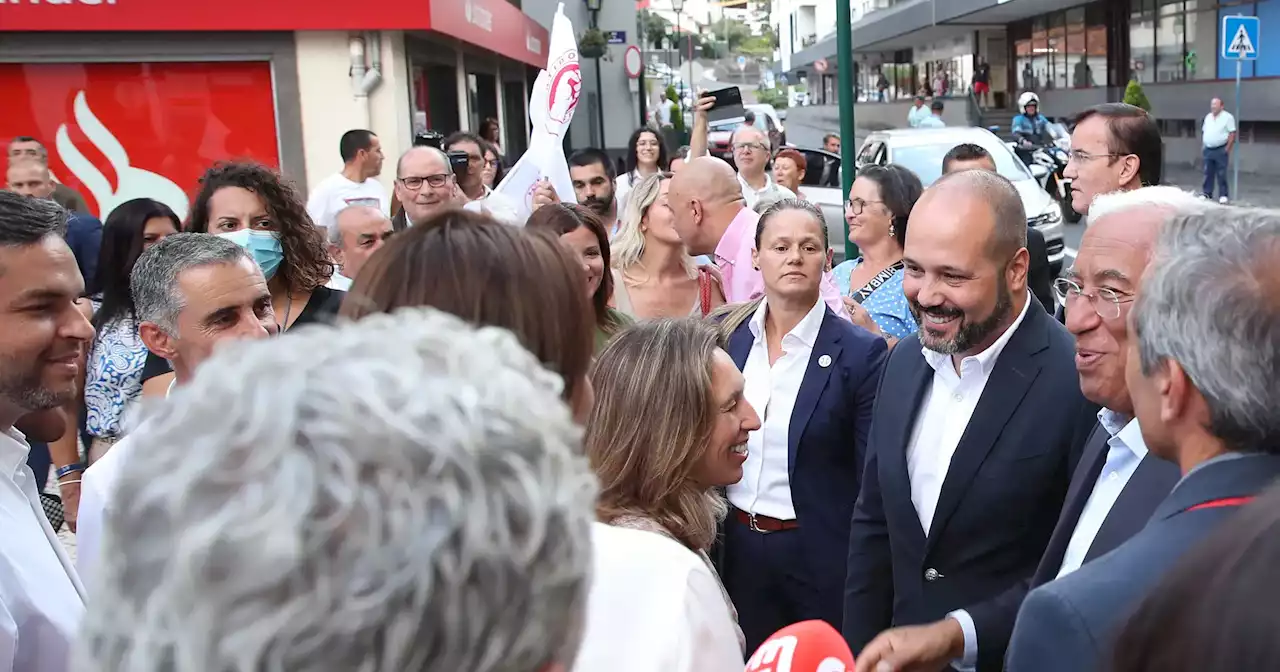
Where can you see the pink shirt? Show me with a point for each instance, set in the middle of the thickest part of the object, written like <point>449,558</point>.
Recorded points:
<point>742,282</point>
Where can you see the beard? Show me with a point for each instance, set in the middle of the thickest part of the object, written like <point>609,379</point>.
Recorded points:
<point>20,384</point>
<point>969,334</point>
<point>600,206</point>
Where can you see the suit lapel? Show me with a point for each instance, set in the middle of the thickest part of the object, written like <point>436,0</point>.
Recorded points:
<point>1014,371</point>
<point>1147,487</point>
<point>815,380</point>
<point>1082,482</point>
<point>740,343</point>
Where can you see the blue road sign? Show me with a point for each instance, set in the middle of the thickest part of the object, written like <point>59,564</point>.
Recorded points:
<point>1240,38</point>
<point>615,36</point>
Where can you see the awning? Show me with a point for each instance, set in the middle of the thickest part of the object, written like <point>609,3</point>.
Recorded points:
<point>495,25</point>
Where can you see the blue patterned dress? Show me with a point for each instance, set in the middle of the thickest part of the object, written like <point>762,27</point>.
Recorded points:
<point>887,305</point>
<point>113,376</point>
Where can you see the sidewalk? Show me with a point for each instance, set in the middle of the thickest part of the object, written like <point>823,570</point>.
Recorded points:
<point>1255,190</point>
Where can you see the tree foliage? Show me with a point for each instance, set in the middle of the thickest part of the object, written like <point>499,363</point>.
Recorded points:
<point>1134,95</point>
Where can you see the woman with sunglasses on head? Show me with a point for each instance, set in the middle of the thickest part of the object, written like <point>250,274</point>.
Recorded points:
<point>256,208</point>
<point>653,275</point>
<point>879,205</point>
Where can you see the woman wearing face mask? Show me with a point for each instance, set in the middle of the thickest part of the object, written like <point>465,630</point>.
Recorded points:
<point>653,275</point>
<point>583,234</point>
<point>646,155</point>
<point>813,375</point>
<point>879,205</point>
<point>259,210</point>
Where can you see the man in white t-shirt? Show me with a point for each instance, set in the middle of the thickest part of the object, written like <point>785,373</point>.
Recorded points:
<point>357,184</point>
<point>358,232</point>
<point>1219,133</point>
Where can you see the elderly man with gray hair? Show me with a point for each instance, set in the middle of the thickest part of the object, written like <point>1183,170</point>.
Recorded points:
<point>402,493</point>
<point>1202,371</point>
<point>192,292</point>
<point>357,232</point>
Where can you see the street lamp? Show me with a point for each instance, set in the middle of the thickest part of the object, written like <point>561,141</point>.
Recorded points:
<point>593,6</point>
<point>678,7</point>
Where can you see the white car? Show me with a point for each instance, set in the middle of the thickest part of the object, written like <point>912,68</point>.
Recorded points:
<point>922,149</point>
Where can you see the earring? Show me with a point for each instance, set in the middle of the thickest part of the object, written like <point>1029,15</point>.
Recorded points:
<point>892,231</point>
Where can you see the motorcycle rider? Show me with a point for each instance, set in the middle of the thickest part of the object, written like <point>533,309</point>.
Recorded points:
<point>1030,125</point>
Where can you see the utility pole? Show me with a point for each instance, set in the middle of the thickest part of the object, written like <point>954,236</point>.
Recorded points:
<point>847,98</point>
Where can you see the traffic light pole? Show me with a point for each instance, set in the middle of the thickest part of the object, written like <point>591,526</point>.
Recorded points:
<point>847,97</point>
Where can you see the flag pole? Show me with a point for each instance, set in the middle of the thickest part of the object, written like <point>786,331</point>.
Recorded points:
<point>844,65</point>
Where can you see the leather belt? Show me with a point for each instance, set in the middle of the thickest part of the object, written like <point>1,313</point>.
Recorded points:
<point>764,524</point>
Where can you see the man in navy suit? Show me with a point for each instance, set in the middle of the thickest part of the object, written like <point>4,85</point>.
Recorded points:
<point>1202,372</point>
<point>1118,482</point>
<point>972,440</point>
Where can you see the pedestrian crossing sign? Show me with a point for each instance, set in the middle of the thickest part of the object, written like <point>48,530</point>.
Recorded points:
<point>1240,38</point>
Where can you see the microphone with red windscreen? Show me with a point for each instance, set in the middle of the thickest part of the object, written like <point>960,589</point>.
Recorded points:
<point>808,646</point>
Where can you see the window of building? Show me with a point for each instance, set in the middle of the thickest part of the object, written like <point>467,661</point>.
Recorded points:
<point>1066,49</point>
<point>1142,40</point>
<point>1172,40</point>
<point>1056,77</point>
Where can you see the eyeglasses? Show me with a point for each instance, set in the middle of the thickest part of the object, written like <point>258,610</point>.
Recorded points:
<point>857,205</point>
<point>749,147</point>
<point>1084,157</point>
<point>1105,302</point>
<point>415,183</point>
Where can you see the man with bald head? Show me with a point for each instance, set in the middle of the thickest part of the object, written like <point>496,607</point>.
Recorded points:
<point>972,437</point>
<point>425,185</point>
<point>751,152</point>
<point>358,232</point>
<point>712,218</point>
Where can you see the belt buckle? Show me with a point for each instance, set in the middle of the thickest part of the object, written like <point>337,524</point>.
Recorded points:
<point>751,518</point>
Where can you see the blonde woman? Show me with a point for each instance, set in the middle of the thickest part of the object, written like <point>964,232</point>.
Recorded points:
<point>669,429</point>
<point>653,275</point>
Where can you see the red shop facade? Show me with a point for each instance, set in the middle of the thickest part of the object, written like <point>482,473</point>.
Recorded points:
<point>139,97</point>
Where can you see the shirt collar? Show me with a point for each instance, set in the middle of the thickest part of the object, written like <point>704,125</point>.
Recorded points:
<point>806,330</point>
<point>13,452</point>
<point>768,184</point>
<point>1124,431</point>
<point>743,224</point>
<point>987,358</point>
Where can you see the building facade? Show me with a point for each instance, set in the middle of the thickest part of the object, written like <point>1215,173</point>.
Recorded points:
<point>138,97</point>
<point>1072,54</point>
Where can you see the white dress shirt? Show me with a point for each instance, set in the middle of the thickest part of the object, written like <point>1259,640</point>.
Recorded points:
<point>770,189</point>
<point>945,412</point>
<point>654,605</point>
<point>97,486</point>
<point>337,281</point>
<point>41,599</point>
<point>1125,452</point>
<point>765,487</point>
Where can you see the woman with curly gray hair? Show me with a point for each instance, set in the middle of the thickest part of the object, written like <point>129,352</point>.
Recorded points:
<point>415,500</point>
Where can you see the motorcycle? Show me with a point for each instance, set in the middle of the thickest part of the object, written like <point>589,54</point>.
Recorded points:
<point>1047,160</point>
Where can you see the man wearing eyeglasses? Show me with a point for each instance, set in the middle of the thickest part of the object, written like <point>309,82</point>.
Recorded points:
<point>1116,485</point>
<point>424,185</point>
<point>751,154</point>
<point>472,192</point>
<point>1114,147</point>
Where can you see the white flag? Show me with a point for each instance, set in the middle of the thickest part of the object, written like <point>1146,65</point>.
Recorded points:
<point>551,105</point>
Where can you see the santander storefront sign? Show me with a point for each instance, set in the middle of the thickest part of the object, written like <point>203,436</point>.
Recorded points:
<point>119,131</point>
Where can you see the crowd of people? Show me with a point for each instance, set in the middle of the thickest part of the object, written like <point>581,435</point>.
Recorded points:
<point>643,429</point>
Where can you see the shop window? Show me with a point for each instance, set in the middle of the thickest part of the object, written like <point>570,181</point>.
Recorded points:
<point>1142,40</point>
<point>1170,42</point>
<point>1056,78</point>
<point>1202,39</point>
<point>515,132</point>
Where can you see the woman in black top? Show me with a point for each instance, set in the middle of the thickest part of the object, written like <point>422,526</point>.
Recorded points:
<point>254,198</point>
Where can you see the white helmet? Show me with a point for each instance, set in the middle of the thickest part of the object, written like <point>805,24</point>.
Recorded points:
<point>1028,98</point>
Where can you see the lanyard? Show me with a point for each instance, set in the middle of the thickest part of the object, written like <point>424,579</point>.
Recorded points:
<point>1222,503</point>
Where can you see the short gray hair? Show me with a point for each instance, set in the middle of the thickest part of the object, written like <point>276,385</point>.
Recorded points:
<point>405,492</point>
<point>154,281</point>
<point>1208,302</point>
<point>25,221</point>
<point>1172,199</point>
<point>335,231</point>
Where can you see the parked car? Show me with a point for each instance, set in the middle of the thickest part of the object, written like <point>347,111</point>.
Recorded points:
<point>922,150</point>
<point>720,133</point>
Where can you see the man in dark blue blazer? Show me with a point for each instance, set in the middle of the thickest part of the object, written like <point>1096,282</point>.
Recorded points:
<point>973,438</point>
<point>788,525</point>
<point>1202,372</point>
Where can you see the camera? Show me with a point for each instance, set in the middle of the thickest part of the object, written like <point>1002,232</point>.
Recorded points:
<point>429,139</point>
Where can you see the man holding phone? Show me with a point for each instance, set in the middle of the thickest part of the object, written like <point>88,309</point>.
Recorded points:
<point>466,154</point>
